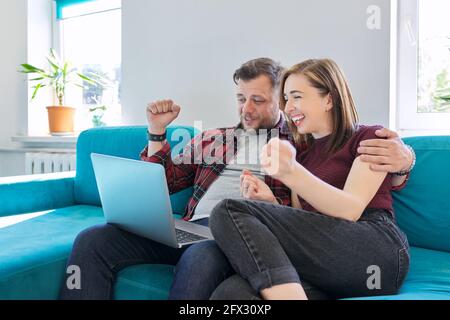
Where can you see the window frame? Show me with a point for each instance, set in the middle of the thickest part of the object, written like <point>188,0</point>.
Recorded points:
<point>58,41</point>
<point>409,121</point>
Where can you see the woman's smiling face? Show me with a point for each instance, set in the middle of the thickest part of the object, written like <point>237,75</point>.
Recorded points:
<point>307,107</point>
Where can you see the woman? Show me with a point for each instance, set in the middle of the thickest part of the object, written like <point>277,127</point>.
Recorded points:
<point>341,235</point>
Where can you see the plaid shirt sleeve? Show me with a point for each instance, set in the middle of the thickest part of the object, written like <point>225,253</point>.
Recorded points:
<point>284,201</point>
<point>281,192</point>
<point>180,171</point>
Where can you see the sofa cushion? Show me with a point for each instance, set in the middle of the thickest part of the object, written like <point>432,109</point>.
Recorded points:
<point>423,207</point>
<point>35,248</point>
<point>34,252</point>
<point>428,277</point>
<point>125,142</point>
<point>144,282</point>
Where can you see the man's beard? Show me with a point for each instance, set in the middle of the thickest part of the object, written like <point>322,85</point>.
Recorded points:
<point>263,124</point>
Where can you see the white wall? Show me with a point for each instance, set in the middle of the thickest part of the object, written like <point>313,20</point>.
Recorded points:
<point>13,89</point>
<point>188,50</point>
<point>40,40</point>
<point>23,40</point>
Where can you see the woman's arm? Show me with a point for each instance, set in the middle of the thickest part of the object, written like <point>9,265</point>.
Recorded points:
<point>295,202</point>
<point>360,187</point>
<point>278,160</point>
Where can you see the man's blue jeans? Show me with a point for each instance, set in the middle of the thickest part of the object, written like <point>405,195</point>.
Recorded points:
<point>102,251</point>
<point>200,270</point>
<point>204,272</point>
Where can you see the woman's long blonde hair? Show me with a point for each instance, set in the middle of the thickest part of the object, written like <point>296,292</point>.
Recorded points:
<point>326,76</point>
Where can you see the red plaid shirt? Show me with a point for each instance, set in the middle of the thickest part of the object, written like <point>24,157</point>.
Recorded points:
<point>195,168</point>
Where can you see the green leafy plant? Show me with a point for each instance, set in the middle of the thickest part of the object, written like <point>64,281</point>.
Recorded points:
<point>58,76</point>
<point>444,95</point>
<point>97,115</point>
<point>441,96</point>
<point>442,99</point>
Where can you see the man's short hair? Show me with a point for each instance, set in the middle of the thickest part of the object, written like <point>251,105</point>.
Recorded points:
<point>257,67</point>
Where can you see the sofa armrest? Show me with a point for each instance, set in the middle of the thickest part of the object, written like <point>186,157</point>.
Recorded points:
<point>24,194</point>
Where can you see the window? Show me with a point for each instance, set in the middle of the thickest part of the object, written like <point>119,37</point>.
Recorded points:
<point>88,34</point>
<point>434,56</point>
<point>424,67</point>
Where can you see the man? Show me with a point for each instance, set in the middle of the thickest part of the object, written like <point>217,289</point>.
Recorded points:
<point>102,251</point>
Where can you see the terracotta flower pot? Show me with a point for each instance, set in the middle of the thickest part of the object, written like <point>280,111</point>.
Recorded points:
<point>61,120</point>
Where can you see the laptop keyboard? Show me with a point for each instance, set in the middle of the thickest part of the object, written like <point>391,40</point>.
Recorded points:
<point>183,236</point>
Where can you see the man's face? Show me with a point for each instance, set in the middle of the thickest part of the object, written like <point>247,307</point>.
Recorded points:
<point>257,103</point>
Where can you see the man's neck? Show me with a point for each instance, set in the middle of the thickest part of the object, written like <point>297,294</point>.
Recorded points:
<point>278,120</point>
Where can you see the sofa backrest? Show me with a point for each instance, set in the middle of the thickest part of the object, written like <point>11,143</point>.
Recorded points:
<point>125,142</point>
<point>423,206</point>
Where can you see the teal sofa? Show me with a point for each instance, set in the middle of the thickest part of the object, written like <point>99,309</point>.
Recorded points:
<point>40,217</point>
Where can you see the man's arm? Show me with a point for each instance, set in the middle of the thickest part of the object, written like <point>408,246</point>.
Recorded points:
<point>388,155</point>
<point>180,172</point>
<point>159,115</point>
<point>155,146</point>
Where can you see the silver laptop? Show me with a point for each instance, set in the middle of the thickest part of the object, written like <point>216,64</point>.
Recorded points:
<point>135,197</point>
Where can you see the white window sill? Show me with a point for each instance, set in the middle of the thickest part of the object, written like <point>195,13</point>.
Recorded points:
<point>44,143</point>
<point>45,139</point>
<point>38,149</point>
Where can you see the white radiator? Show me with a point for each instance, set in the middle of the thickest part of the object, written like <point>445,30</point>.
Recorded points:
<point>39,162</point>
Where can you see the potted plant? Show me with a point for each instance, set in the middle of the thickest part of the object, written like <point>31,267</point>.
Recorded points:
<point>59,76</point>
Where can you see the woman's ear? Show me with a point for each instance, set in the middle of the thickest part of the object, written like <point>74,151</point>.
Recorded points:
<point>328,102</point>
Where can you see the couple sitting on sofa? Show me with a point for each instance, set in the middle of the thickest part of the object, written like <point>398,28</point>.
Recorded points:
<point>306,221</point>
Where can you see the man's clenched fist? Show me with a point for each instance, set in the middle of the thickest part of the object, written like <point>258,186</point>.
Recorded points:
<point>160,114</point>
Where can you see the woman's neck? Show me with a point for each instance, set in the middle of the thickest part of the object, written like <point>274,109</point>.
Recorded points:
<point>320,135</point>
<point>325,130</point>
